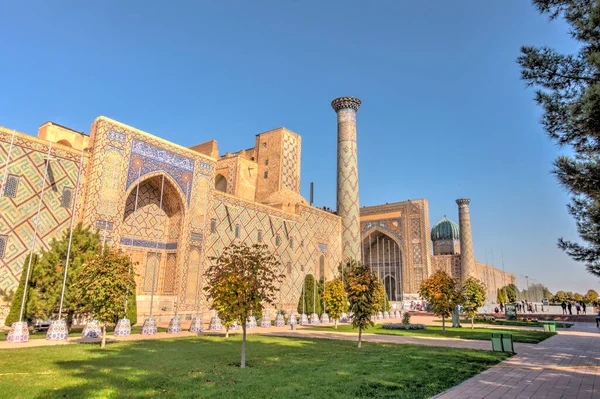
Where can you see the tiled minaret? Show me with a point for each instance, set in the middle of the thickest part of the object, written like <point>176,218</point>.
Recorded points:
<point>347,176</point>
<point>467,255</point>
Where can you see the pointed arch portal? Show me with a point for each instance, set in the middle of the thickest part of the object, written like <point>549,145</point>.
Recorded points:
<point>383,255</point>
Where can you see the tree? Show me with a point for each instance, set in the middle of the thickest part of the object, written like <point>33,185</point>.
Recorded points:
<point>103,286</point>
<point>472,296</point>
<point>15,307</point>
<point>361,286</point>
<point>335,298</point>
<point>510,292</point>
<point>562,296</point>
<point>308,296</point>
<point>568,90</point>
<point>440,290</point>
<point>381,298</point>
<point>47,273</point>
<point>242,280</point>
<point>591,297</point>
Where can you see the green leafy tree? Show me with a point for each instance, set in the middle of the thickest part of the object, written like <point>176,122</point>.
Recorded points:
<point>7,295</point>
<point>563,296</point>
<point>242,280</point>
<point>577,297</point>
<point>381,298</point>
<point>568,90</point>
<point>309,297</point>
<point>47,273</point>
<point>546,293</point>
<point>361,286</point>
<point>472,296</point>
<point>440,291</point>
<point>15,307</point>
<point>591,297</point>
<point>335,298</point>
<point>103,285</point>
<point>510,291</point>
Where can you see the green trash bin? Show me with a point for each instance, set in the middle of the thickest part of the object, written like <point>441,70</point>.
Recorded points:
<point>549,326</point>
<point>502,342</point>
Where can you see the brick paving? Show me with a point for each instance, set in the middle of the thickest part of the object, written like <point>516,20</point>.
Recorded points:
<point>566,366</point>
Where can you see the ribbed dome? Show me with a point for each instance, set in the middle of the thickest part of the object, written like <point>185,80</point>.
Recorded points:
<point>445,229</point>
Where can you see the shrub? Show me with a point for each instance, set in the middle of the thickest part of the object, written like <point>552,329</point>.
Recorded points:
<point>398,326</point>
<point>406,318</point>
<point>483,317</point>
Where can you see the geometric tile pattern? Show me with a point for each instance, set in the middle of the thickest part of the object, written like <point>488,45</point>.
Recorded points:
<point>290,176</point>
<point>466,239</point>
<point>17,215</point>
<point>308,230</point>
<point>348,207</point>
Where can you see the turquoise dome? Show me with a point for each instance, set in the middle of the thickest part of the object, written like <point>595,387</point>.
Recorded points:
<point>445,229</point>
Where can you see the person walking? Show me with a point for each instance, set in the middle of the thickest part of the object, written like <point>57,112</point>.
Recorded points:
<point>598,319</point>
<point>564,307</point>
<point>577,308</point>
<point>569,308</point>
<point>583,307</point>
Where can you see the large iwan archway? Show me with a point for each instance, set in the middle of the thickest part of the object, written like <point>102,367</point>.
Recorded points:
<point>152,229</point>
<point>383,255</point>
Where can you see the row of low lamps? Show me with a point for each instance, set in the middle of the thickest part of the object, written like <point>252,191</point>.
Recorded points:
<point>58,330</point>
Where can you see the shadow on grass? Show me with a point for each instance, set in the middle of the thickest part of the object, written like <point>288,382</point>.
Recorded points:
<point>208,367</point>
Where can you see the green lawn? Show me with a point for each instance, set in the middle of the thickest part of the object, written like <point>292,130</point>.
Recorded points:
<point>517,323</point>
<point>523,336</point>
<point>76,332</point>
<point>206,367</point>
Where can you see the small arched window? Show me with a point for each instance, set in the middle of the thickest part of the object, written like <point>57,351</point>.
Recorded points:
<point>221,183</point>
<point>322,268</point>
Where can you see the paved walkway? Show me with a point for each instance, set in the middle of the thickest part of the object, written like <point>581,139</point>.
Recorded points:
<point>566,366</point>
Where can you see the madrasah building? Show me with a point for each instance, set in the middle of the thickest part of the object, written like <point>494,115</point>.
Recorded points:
<point>172,208</point>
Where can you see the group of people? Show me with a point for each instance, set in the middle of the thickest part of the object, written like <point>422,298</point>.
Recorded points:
<point>579,307</point>
<point>522,307</point>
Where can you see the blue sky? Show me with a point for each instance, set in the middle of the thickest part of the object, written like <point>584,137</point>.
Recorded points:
<point>444,112</point>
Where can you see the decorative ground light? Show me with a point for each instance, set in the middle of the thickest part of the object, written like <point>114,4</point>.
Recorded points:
<point>291,321</point>
<point>265,321</point>
<point>379,316</point>
<point>386,315</point>
<point>196,325</point>
<point>91,330</point>
<point>149,327</point>
<point>303,319</point>
<point>174,326</point>
<point>123,328</point>
<point>344,318</point>
<point>251,322</point>
<point>19,332</point>
<point>314,319</point>
<point>324,318</point>
<point>279,320</point>
<point>57,331</point>
<point>215,324</point>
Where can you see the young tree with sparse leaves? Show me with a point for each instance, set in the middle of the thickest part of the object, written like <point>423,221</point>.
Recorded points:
<point>472,296</point>
<point>361,286</point>
<point>568,90</point>
<point>102,287</point>
<point>242,280</point>
<point>440,291</point>
<point>335,298</point>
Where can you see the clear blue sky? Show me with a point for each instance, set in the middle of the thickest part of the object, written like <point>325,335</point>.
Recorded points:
<point>444,112</point>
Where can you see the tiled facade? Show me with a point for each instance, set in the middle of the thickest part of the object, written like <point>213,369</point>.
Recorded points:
<point>172,208</point>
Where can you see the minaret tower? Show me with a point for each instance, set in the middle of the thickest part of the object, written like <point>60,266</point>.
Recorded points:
<point>348,207</point>
<point>467,255</point>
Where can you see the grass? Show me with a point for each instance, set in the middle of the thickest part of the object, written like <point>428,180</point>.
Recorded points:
<point>76,332</point>
<point>207,367</point>
<point>516,323</point>
<point>523,336</point>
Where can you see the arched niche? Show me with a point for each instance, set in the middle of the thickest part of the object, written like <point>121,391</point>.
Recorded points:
<point>220,183</point>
